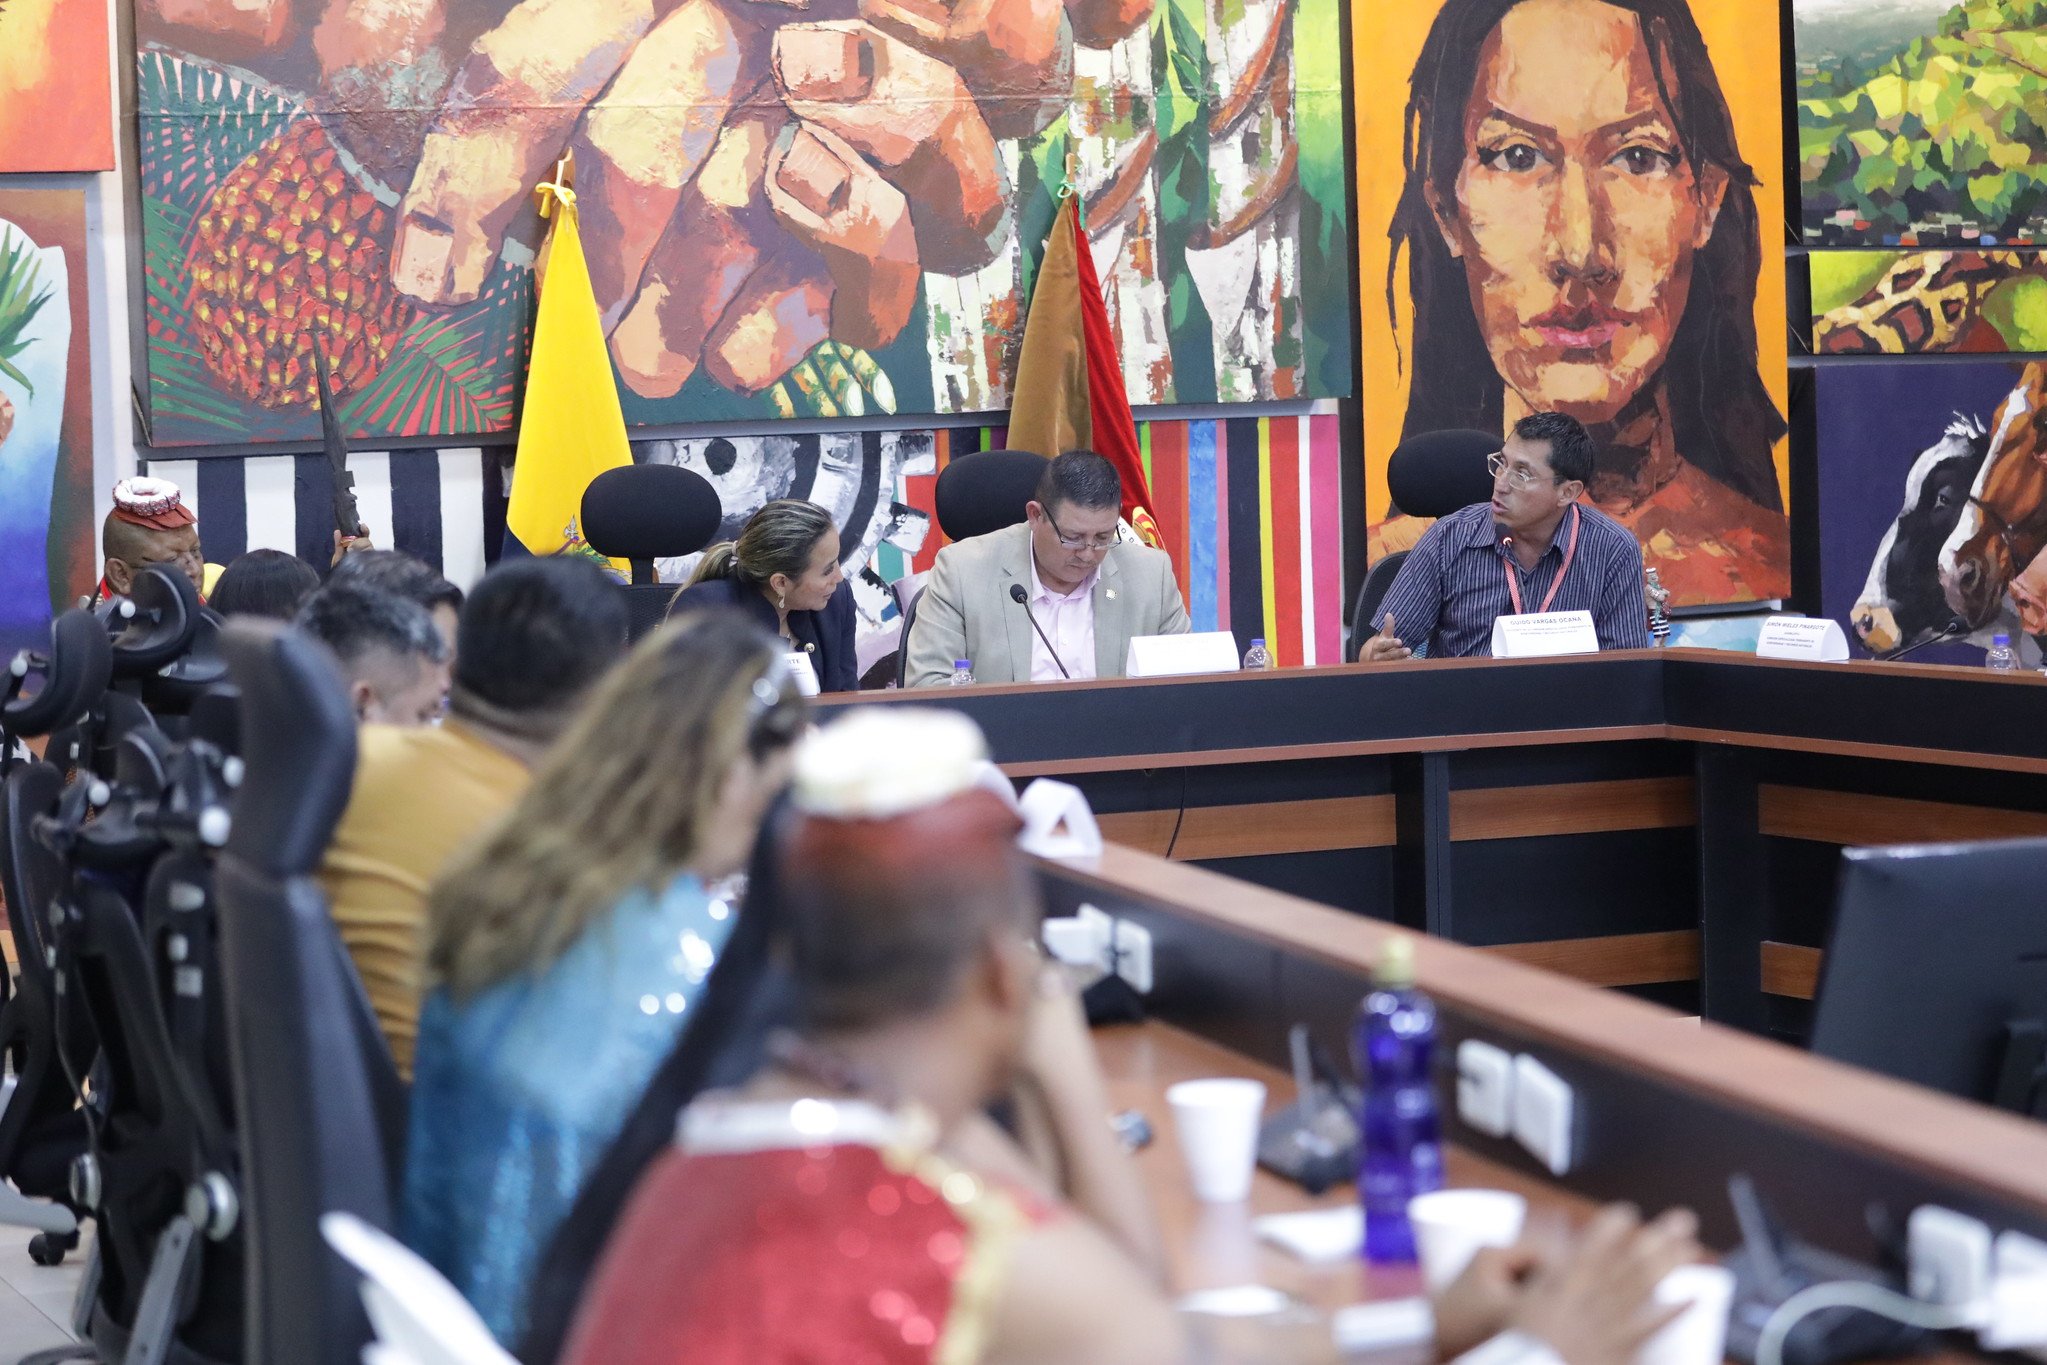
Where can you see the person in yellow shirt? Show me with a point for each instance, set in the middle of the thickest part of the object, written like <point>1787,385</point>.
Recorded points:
<point>533,636</point>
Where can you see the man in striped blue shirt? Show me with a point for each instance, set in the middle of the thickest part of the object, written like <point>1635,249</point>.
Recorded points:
<point>1533,548</point>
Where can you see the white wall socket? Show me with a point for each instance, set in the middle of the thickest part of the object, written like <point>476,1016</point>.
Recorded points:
<point>1132,955</point>
<point>1544,1114</point>
<point>1947,1255</point>
<point>1485,1087</point>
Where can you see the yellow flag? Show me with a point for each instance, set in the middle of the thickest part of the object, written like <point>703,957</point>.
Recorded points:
<point>571,429</point>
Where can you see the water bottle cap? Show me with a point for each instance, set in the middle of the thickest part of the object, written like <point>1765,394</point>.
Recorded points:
<point>1396,962</point>
<point>1258,643</point>
<point>2001,640</point>
<point>962,663</point>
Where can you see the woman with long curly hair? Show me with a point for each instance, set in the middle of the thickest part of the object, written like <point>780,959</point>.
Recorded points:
<point>570,943</point>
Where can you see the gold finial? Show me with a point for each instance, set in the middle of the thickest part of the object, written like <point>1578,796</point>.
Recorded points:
<point>561,187</point>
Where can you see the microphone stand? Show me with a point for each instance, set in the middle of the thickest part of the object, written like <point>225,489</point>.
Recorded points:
<point>1022,599</point>
<point>1956,630</point>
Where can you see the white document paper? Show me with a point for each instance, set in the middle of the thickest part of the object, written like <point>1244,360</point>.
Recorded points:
<point>1538,635</point>
<point>1172,656</point>
<point>802,672</point>
<point>1802,637</point>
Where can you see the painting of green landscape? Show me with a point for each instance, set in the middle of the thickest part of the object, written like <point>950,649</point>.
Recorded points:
<point>1922,122</point>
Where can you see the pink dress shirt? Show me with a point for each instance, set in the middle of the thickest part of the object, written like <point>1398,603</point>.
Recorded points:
<point>1070,621</point>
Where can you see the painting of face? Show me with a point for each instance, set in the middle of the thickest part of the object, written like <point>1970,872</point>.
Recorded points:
<point>1577,213</point>
<point>1582,223</point>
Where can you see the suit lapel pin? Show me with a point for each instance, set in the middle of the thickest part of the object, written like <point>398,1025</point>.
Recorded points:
<point>1110,593</point>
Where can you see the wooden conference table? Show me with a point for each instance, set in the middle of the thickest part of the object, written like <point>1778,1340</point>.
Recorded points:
<point>1667,1108</point>
<point>1665,821</point>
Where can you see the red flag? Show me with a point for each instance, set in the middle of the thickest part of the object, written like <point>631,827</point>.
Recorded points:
<point>1069,393</point>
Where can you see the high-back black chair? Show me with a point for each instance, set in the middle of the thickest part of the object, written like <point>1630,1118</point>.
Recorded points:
<point>985,491</point>
<point>75,672</point>
<point>976,494</point>
<point>42,1129</point>
<point>321,1106</point>
<point>644,512</point>
<point>1430,475</point>
<point>903,642</point>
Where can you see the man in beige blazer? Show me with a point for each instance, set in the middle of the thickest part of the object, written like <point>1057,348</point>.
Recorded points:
<point>1091,586</point>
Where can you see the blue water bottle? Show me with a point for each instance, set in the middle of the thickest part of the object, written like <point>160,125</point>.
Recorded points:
<point>1402,1148</point>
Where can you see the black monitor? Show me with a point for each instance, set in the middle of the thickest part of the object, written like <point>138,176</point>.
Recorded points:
<point>1937,971</point>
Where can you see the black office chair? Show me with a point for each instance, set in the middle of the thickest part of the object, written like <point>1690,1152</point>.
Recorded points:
<point>42,1129</point>
<point>903,641</point>
<point>985,491</point>
<point>644,512</point>
<point>976,494</point>
<point>75,671</point>
<point>1430,475</point>
<point>322,1109</point>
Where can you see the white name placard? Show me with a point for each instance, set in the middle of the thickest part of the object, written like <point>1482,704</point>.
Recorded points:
<point>802,672</point>
<point>1541,634</point>
<point>1802,637</point>
<point>1172,656</point>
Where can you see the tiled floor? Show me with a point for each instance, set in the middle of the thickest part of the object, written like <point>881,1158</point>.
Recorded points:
<point>35,1301</point>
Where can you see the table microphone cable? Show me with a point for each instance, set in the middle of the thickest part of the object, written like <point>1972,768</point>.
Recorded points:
<point>1870,1298</point>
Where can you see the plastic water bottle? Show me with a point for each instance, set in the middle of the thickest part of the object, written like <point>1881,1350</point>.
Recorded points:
<point>1256,656</point>
<point>2001,657</point>
<point>962,672</point>
<point>1402,1150</point>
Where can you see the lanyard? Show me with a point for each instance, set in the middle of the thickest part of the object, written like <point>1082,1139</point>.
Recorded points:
<point>1513,578</point>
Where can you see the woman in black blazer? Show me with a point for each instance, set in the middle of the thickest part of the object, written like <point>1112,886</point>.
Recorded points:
<point>783,572</point>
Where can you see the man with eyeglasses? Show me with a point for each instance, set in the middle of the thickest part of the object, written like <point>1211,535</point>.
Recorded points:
<point>1534,548</point>
<point>1089,587</point>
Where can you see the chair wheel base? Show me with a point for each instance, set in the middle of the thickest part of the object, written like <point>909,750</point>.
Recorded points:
<point>50,1248</point>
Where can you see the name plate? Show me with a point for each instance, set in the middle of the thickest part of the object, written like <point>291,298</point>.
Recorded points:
<point>1172,656</point>
<point>802,672</point>
<point>1542,634</point>
<point>1802,637</point>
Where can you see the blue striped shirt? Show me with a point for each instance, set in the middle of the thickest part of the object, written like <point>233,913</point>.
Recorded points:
<point>1454,583</point>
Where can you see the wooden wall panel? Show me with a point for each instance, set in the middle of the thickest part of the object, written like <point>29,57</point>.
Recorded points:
<point>1849,818</point>
<point>1791,969</point>
<point>1572,808</point>
<point>1614,960</point>
<point>1267,827</point>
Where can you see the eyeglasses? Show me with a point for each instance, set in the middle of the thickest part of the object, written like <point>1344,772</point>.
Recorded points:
<point>1102,542</point>
<point>1496,463</point>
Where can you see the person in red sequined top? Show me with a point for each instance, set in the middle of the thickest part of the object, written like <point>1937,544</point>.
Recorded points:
<point>853,1203</point>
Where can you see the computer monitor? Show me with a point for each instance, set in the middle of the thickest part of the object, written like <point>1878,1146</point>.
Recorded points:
<point>1937,969</point>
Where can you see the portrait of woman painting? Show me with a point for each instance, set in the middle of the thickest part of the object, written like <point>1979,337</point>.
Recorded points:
<point>1573,199</point>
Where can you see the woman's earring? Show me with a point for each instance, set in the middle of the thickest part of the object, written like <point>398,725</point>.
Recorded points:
<point>782,602</point>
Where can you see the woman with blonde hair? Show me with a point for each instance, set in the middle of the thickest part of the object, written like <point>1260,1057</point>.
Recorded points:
<point>569,944</point>
<point>783,573</point>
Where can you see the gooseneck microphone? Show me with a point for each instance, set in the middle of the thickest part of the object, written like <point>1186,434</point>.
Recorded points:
<point>1023,599</point>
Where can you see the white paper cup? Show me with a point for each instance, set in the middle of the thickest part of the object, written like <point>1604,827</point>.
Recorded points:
<point>1699,1335</point>
<point>1451,1226</point>
<point>1217,1121</point>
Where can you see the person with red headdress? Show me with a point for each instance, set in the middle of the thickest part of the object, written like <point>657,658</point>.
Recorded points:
<point>853,1202</point>
<point>150,525</point>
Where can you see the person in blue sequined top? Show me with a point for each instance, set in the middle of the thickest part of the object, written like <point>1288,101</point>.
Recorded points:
<point>567,945</point>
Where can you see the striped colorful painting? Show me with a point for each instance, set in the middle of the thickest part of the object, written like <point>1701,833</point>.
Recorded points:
<point>1251,514</point>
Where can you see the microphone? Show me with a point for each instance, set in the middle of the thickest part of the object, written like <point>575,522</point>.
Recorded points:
<point>1023,599</point>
